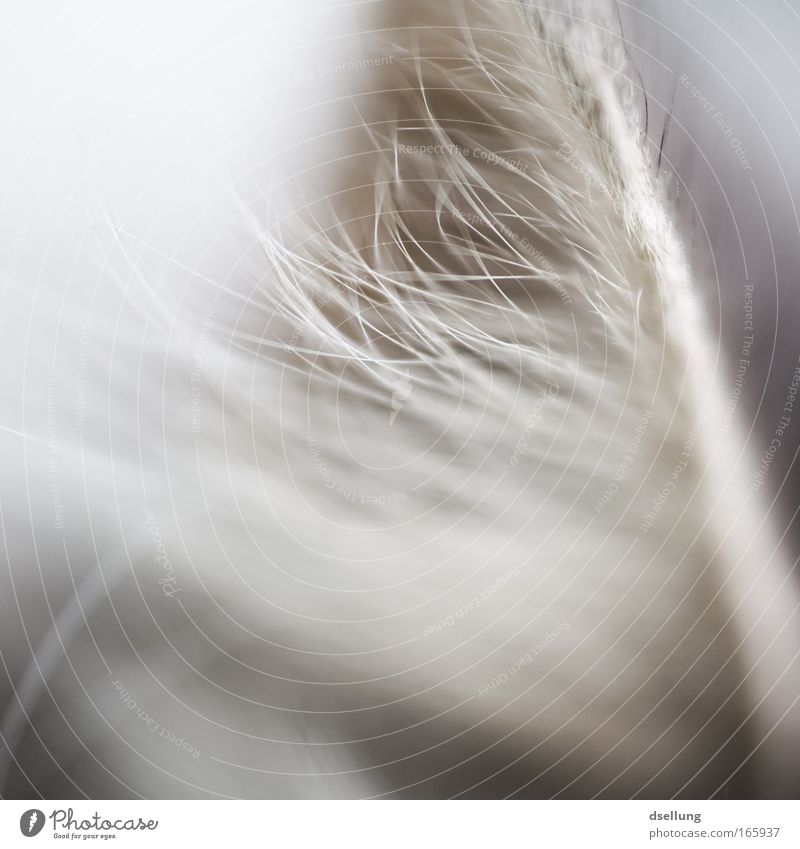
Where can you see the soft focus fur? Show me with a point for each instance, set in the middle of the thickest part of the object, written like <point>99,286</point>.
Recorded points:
<point>433,499</point>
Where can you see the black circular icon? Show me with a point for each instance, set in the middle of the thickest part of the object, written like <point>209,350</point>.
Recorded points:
<point>31,822</point>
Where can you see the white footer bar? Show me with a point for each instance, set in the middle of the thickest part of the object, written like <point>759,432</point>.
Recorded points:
<point>401,825</point>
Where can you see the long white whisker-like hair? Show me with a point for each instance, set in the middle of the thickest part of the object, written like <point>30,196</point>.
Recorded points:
<point>430,495</point>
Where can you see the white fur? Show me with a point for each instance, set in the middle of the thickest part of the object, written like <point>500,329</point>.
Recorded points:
<point>392,563</point>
